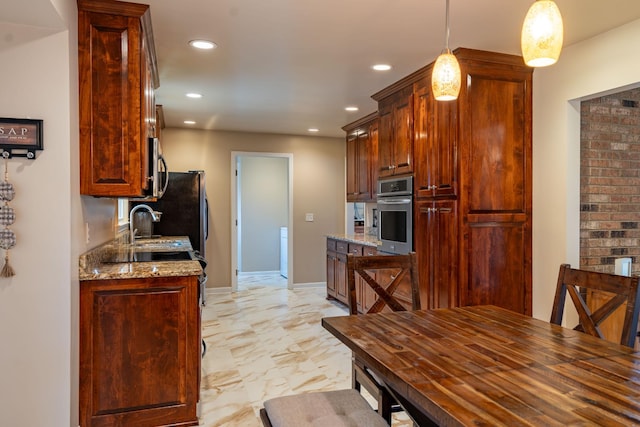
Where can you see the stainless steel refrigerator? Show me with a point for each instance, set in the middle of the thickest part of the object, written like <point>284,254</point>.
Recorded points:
<point>185,210</point>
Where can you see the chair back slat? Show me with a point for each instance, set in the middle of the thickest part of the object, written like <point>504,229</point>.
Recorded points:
<point>577,283</point>
<point>363,265</point>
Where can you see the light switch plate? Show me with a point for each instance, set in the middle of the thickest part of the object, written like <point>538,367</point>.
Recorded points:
<point>308,217</point>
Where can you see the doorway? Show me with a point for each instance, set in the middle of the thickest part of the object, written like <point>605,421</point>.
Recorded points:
<point>261,192</point>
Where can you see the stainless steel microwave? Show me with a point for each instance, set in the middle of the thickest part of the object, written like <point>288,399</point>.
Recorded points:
<point>158,171</point>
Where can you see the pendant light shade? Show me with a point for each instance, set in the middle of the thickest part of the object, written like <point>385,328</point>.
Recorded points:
<point>542,34</point>
<point>445,77</point>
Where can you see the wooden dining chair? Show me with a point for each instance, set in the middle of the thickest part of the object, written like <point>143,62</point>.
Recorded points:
<point>384,274</point>
<point>624,292</point>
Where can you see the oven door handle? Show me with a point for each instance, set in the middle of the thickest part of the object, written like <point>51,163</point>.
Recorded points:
<point>394,201</point>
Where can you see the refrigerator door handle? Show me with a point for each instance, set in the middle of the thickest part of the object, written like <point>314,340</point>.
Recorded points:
<point>166,175</point>
<point>206,219</point>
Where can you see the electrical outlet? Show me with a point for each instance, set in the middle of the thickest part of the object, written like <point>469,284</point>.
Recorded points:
<point>308,217</point>
<point>86,232</point>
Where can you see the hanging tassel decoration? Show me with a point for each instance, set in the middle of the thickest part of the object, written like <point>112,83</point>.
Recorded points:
<point>7,270</point>
<point>7,217</point>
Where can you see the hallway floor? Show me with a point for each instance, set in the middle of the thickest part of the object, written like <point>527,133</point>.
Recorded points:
<point>266,341</point>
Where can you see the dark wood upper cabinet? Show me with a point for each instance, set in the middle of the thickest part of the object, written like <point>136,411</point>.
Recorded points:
<point>362,149</point>
<point>117,79</point>
<point>395,131</point>
<point>435,143</point>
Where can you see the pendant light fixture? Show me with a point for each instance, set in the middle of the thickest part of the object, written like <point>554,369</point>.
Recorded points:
<point>542,34</point>
<point>445,77</point>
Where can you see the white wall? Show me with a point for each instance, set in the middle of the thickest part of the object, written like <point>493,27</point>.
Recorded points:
<point>35,305</point>
<point>318,172</point>
<point>39,305</point>
<point>263,183</point>
<point>607,63</point>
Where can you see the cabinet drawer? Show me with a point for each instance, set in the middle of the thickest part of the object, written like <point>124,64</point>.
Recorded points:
<point>342,247</point>
<point>355,249</point>
<point>369,250</point>
<point>331,245</point>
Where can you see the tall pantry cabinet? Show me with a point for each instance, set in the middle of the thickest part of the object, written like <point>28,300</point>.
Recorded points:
<point>472,182</point>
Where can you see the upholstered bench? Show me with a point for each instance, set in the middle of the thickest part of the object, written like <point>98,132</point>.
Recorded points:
<point>338,408</point>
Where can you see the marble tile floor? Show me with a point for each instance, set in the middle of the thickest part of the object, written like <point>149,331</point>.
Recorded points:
<point>249,280</point>
<point>267,341</point>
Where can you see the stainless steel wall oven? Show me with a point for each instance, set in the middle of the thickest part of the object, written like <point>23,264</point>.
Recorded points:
<point>395,215</point>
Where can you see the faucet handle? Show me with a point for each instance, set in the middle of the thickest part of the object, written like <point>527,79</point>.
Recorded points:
<point>156,216</point>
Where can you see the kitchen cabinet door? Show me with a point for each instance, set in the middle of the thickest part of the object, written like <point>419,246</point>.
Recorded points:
<point>140,348</point>
<point>337,270</point>
<point>117,74</point>
<point>341,278</point>
<point>436,245</point>
<point>435,144</point>
<point>361,153</point>
<point>403,133</point>
<point>331,274</point>
<point>352,168</point>
<point>395,134</point>
<point>496,181</point>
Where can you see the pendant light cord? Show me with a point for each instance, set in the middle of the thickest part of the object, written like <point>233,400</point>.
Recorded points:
<point>446,30</point>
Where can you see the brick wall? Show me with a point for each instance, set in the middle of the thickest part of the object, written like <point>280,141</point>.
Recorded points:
<point>610,181</point>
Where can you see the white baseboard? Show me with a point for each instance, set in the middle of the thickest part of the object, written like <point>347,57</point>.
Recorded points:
<point>226,289</point>
<point>309,285</point>
<point>219,290</point>
<point>251,273</point>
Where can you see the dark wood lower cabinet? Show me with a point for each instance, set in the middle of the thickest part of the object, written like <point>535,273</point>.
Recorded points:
<point>139,352</point>
<point>436,246</point>
<point>337,251</point>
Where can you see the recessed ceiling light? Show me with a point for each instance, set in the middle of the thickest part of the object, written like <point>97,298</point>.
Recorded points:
<point>381,67</point>
<point>189,122</point>
<point>351,108</point>
<point>313,130</point>
<point>202,44</point>
<point>194,95</point>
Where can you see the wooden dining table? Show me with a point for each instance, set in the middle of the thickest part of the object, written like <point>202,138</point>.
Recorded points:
<point>487,366</point>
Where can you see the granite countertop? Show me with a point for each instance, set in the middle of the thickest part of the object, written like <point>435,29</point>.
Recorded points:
<point>362,239</point>
<point>97,263</point>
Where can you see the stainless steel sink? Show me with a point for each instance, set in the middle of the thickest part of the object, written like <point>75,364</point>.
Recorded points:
<point>157,244</point>
<point>151,256</point>
<point>162,256</point>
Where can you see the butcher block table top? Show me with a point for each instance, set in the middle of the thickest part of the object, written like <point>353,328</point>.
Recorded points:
<point>484,365</point>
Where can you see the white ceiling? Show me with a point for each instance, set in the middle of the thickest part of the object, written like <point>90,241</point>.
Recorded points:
<point>283,66</point>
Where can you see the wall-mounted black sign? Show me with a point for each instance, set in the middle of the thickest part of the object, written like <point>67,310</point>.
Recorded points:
<point>20,137</point>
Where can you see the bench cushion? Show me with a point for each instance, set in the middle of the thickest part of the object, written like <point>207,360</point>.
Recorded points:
<point>323,409</point>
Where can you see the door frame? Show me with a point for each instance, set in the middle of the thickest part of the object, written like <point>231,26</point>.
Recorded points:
<point>235,155</point>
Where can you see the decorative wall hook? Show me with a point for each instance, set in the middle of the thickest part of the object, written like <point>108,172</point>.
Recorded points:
<point>20,137</point>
